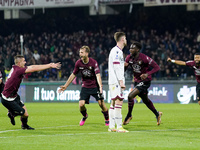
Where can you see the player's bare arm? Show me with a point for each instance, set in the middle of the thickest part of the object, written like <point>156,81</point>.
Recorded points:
<point>98,75</point>
<point>125,64</point>
<point>178,62</point>
<point>121,83</point>
<point>64,87</point>
<point>34,68</point>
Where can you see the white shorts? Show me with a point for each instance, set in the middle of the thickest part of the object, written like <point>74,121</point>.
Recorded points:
<point>116,92</point>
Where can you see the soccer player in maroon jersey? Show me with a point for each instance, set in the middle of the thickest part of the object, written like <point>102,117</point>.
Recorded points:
<point>10,98</point>
<point>140,63</point>
<point>195,65</point>
<point>91,83</point>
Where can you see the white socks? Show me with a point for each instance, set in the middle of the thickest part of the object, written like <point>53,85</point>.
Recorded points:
<point>118,116</point>
<point>111,117</point>
<point>115,116</point>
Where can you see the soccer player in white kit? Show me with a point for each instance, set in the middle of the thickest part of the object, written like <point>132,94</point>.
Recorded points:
<point>116,82</point>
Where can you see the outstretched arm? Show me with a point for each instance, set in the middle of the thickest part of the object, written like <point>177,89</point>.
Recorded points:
<point>64,87</point>
<point>178,62</point>
<point>34,68</point>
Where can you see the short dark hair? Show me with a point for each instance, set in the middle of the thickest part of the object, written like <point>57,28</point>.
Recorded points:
<point>197,53</point>
<point>17,57</point>
<point>137,44</point>
<point>118,35</point>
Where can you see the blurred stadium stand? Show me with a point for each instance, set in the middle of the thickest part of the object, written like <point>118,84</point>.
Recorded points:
<point>56,34</point>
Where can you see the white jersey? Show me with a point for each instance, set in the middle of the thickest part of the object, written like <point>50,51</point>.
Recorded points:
<point>115,66</point>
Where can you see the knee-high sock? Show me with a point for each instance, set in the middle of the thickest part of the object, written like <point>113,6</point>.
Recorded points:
<point>118,115</point>
<point>112,117</point>
<point>150,105</point>
<point>84,113</point>
<point>24,121</point>
<point>130,106</point>
<point>105,113</point>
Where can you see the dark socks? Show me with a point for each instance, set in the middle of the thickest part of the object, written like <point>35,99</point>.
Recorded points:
<point>105,113</point>
<point>24,121</point>
<point>84,113</point>
<point>150,105</point>
<point>130,107</point>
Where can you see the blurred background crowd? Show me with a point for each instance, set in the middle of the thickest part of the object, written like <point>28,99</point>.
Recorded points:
<point>57,35</point>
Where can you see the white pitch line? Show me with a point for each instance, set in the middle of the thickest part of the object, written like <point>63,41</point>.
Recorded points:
<point>9,131</point>
<point>38,128</point>
<point>72,134</point>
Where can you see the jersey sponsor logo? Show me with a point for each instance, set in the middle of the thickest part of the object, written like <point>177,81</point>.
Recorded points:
<point>87,73</point>
<point>81,68</point>
<point>136,68</point>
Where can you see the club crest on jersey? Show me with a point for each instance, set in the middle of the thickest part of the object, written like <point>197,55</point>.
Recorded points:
<point>90,67</point>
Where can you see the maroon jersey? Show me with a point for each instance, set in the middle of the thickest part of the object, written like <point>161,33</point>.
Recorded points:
<point>196,69</point>
<point>141,65</point>
<point>88,72</point>
<point>13,81</point>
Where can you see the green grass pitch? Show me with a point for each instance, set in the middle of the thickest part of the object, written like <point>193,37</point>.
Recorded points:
<point>57,127</point>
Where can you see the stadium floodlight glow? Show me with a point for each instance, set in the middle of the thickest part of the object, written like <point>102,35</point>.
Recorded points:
<point>21,41</point>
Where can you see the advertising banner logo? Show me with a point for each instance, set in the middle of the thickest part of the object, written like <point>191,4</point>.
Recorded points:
<point>186,94</point>
<point>161,93</point>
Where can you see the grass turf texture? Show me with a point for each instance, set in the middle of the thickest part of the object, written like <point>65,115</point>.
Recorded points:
<point>57,127</point>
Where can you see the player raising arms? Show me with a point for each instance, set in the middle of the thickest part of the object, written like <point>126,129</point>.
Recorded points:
<point>10,98</point>
<point>140,63</point>
<point>116,82</point>
<point>92,83</point>
<point>195,65</point>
